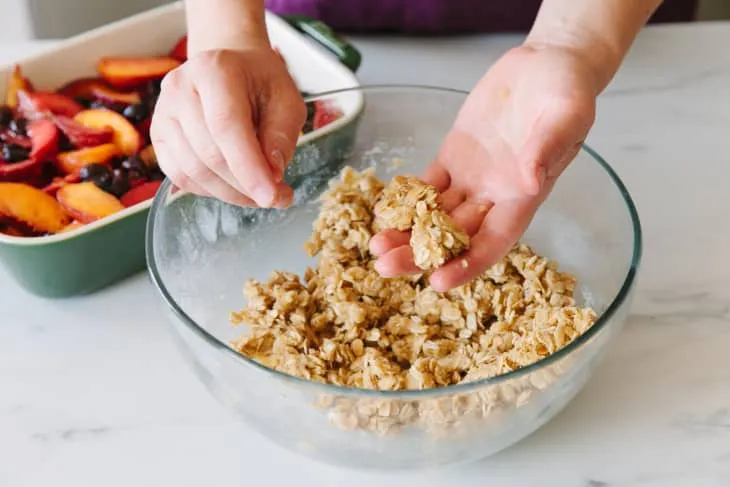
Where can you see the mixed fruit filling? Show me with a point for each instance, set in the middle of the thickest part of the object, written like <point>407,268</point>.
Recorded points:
<point>80,153</point>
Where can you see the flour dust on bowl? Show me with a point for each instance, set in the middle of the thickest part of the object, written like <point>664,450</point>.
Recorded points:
<point>201,251</point>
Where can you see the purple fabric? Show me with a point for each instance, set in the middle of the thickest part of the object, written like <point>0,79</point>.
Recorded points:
<point>438,17</point>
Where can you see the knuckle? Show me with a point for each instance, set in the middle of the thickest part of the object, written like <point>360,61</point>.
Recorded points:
<point>172,81</point>
<point>220,118</point>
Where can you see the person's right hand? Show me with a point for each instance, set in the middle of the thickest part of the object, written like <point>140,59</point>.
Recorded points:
<point>226,124</point>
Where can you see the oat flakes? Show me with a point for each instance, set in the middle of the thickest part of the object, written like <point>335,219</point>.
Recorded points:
<point>343,324</point>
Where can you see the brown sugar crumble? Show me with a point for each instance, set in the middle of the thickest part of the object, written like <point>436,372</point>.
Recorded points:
<point>342,323</point>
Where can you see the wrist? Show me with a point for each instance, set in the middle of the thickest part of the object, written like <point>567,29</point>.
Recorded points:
<point>599,57</point>
<point>225,24</point>
<point>594,60</point>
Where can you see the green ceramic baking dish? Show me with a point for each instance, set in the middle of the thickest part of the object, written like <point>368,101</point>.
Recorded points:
<point>103,252</point>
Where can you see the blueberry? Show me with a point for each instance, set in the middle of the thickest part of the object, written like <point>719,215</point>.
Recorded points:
<point>113,106</point>
<point>64,143</point>
<point>119,183</point>
<point>6,115</point>
<point>99,174</point>
<point>136,113</point>
<point>19,126</point>
<point>134,163</point>
<point>309,122</point>
<point>14,153</point>
<point>84,102</point>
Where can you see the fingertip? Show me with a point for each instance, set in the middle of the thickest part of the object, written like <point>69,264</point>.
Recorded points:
<point>285,196</point>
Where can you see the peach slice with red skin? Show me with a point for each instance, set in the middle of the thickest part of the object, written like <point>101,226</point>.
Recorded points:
<point>16,83</point>
<point>32,207</point>
<point>180,51</point>
<point>128,72</point>
<point>38,104</point>
<point>44,136</point>
<point>73,161</point>
<point>71,226</point>
<point>325,113</point>
<point>44,140</point>
<point>149,157</point>
<point>58,183</point>
<point>81,136</point>
<point>140,193</point>
<point>126,136</point>
<point>86,203</point>
<point>97,89</point>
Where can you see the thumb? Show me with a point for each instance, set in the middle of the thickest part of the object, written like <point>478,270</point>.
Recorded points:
<point>552,143</point>
<point>279,127</point>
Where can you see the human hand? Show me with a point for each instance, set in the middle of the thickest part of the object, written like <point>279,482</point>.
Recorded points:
<point>517,131</point>
<point>226,124</point>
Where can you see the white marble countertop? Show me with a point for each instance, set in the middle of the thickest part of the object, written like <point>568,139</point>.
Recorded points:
<point>93,392</point>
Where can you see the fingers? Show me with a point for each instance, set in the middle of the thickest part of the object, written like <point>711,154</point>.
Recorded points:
<point>469,216</point>
<point>387,240</point>
<point>281,121</point>
<point>437,176</point>
<point>450,199</point>
<point>188,173</point>
<point>189,114</point>
<point>397,262</point>
<point>229,114</point>
<point>500,230</point>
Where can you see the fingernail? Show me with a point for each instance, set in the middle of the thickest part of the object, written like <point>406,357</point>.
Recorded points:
<point>264,197</point>
<point>279,163</point>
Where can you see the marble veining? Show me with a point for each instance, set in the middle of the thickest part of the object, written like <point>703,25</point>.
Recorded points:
<point>94,397</point>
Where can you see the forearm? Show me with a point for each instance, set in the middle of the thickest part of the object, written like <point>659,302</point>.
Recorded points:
<point>601,31</point>
<point>225,24</point>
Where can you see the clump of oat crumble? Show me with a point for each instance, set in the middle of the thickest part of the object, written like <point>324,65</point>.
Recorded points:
<point>344,324</point>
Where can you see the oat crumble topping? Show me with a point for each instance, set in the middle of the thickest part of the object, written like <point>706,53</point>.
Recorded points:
<point>341,323</point>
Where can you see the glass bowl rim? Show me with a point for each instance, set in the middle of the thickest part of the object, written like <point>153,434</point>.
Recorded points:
<point>407,394</point>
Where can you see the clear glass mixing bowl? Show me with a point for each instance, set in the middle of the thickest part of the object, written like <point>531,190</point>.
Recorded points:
<point>200,251</point>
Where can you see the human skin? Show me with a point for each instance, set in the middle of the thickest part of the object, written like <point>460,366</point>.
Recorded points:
<point>228,119</point>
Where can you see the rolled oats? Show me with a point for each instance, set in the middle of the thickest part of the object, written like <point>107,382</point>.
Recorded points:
<point>342,323</point>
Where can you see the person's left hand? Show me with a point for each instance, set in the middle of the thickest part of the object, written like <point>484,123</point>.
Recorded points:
<point>517,131</point>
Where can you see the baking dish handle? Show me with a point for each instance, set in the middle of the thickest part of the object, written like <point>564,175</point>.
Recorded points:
<point>322,34</point>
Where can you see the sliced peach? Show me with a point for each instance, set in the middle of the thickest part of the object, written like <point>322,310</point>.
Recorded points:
<point>58,183</point>
<point>110,95</point>
<point>140,193</point>
<point>44,136</point>
<point>325,113</point>
<point>32,207</point>
<point>86,202</point>
<point>180,51</point>
<point>81,136</point>
<point>37,104</point>
<point>97,89</point>
<point>71,226</point>
<point>72,162</point>
<point>10,138</point>
<point>129,72</point>
<point>17,82</point>
<point>20,171</point>
<point>82,87</point>
<point>12,230</point>
<point>149,157</point>
<point>126,136</point>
